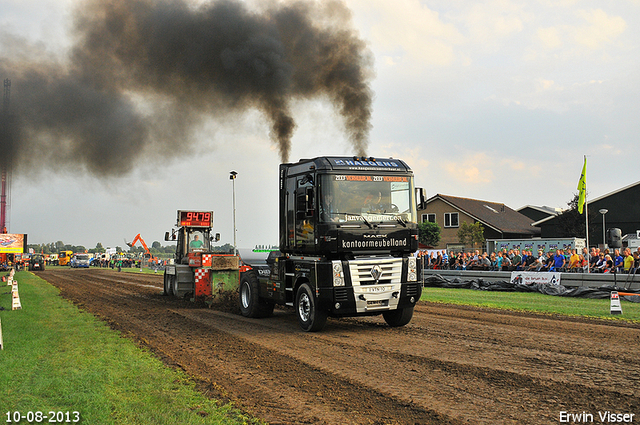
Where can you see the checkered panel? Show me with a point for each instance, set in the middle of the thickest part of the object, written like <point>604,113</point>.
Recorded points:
<point>202,282</point>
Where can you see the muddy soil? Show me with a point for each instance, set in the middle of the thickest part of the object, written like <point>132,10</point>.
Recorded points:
<point>450,365</point>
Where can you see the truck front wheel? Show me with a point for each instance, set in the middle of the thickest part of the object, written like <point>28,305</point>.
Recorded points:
<point>399,317</point>
<point>311,319</point>
<point>250,303</point>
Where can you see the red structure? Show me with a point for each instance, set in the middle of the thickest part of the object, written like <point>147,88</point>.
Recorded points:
<point>5,166</point>
<point>3,200</point>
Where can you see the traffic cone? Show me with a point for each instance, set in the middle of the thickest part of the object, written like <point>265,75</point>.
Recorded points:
<point>615,303</point>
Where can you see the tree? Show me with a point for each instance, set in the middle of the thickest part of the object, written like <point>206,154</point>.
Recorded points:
<point>99,249</point>
<point>470,234</point>
<point>428,233</point>
<point>156,245</point>
<point>571,224</point>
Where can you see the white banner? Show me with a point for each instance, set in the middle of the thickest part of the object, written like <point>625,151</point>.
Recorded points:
<point>529,278</point>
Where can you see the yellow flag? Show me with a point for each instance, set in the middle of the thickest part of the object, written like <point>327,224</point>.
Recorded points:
<point>582,187</point>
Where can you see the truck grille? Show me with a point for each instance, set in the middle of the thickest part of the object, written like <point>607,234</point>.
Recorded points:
<point>363,271</point>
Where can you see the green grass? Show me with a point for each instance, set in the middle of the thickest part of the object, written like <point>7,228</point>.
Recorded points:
<point>532,302</point>
<point>58,358</point>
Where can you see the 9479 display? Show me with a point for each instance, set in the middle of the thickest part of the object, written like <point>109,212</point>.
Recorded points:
<point>40,417</point>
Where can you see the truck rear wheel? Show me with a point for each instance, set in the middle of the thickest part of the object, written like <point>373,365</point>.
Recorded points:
<point>311,319</point>
<point>399,317</point>
<point>250,303</point>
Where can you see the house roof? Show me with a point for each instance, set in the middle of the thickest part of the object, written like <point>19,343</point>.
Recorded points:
<point>543,209</point>
<point>612,193</point>
<point>492,214</point>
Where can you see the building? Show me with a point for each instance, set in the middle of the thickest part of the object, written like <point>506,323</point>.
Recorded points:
<point>499,221</point>
<point>539,213</point>
<point>619,209</point>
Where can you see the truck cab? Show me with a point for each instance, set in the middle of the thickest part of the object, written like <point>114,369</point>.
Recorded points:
<point>348,232</point>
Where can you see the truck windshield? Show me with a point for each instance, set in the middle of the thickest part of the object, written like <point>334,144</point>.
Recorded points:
<point>367,198</point>
<point>198,241</point>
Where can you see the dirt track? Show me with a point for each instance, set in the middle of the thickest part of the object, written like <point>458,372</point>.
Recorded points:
<point>450,365</point>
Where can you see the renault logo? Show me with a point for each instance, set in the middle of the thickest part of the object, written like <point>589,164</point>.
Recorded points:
<point>376,272</point>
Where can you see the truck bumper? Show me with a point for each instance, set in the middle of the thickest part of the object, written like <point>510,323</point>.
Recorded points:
<point>344,301</point>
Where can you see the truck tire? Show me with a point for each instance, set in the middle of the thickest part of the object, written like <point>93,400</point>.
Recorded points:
<point>311,319</point>
<point>250,303</point>
<point>399,317</point>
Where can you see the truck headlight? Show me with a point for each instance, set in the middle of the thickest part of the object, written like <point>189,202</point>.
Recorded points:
<point>412,270</point>
<point>338,275</point>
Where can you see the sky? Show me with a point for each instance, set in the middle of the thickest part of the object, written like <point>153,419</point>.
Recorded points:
<point>496,100</point>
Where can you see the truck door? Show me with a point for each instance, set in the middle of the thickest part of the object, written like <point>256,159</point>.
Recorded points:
<point>305,214</point>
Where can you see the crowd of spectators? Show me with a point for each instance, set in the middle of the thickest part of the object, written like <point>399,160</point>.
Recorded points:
<point>570,260</point>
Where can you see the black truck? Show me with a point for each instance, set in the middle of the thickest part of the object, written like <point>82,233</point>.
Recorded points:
<point>348,232</point>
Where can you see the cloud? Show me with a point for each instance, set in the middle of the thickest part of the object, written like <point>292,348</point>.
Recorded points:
<point>408,31</point>
<point>550,37</point>
<point>601,29</point>
<point>474,169</point>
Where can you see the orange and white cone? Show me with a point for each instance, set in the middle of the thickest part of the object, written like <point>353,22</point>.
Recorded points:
<point>615,308</point>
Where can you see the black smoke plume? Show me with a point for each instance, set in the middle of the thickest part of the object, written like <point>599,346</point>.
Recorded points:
<point>142,75</point>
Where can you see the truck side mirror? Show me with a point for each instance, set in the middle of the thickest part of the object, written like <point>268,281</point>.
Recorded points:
<point>166,236</point>
<point>217,238</point>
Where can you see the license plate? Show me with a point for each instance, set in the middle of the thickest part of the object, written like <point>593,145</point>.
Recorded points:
<point>378,289</point>
<point>377,302</point>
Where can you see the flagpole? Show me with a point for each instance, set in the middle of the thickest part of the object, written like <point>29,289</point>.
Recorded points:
<point>586,215</point>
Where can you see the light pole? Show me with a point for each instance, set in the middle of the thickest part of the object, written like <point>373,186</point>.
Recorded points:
<point>232,177</point>
<point>603,211</point>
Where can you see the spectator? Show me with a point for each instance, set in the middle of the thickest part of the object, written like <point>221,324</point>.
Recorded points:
<point>516,260</point>
<point>617,260</point>
<point>582,266</point>
<point>585,254</point>
<point>530,261</point>
<point>628,260</point>
<point>559,261</point>
<point>601,263</point>
<point>453,259</point>
<point>595,256</point>
<point>574,261</point>
<point>484,262</point>
<point>438,264</point>
<point>473,260</point>
<point>608,264</point>
<point>549,261</point>
<point>506,262</point>
<point>498,263</point>
<point>539,262</point>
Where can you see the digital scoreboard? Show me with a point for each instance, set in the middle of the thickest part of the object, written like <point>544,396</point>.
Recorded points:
<point>195,219</point>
